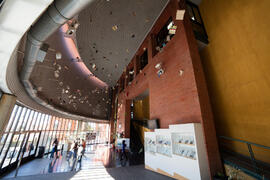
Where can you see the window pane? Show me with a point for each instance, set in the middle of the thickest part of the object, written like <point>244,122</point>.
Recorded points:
<point>17,149</point>
<point>30,120</point>
<point>72,125</point>
<point>35,140</point>
<point>52,139</point>
<point>59,124</point>
<point>64,124</point>
<point>25,146</point>
<point>61,138</point>
<point>25,120</point>
<point>67,125</point>
<point>5,149</point>
<point>52,123</point>
<point>197,15</point>
<point>29,145</point>
<point>57,135</point>
<point>55,124</point>
<point>14,124</point>
<point>76,125</point>
<point>41,121</point>
<point>20,119</point>
<point>49,141</point>
<point>2,141</point>
<point>10,122</point>
<point>37,121</point>
<point>45,124</point>
<point>12,150</point>
<point>190,12</point>
<point>49,123</point>
<point>45,139</point>
<point>42,135</point>
<point>33,121</point>
<point>41,139</point>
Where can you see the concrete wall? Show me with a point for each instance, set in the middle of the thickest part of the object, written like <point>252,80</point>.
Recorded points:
<point>237,63</point>
<point>173,99</point>
<point>7,103</point>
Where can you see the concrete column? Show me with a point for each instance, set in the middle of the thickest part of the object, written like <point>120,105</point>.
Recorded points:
<point>7,103</point>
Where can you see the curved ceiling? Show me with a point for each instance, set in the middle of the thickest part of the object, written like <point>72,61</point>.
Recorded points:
<point>64,83</point>
<point>108,37</point>
<point>77,95</point>
<point>111,31</point>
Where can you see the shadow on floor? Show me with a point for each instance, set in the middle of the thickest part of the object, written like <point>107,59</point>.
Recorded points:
<point>123,173</point>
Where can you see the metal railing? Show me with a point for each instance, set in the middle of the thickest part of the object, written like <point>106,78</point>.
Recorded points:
<point>258,169</point>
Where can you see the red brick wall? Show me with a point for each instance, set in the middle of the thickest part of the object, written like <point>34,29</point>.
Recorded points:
<point>174,99</point>
<point>205,106</point>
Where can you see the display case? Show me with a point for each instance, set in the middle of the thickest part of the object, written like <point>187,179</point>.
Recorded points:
<point>183,145</point>
<point>150,145</point>
<point>180,152</point>
<point>164,145</point>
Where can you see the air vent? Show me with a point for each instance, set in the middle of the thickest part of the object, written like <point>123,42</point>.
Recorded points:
<point>1,4</point>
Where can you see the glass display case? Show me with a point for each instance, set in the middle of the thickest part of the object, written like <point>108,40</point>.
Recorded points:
<point>150,145</point>
<point>164,145</point>
<point>183,145</point>
<point>180,151</point>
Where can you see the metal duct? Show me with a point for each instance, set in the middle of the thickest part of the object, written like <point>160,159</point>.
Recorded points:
<point>55,16</point>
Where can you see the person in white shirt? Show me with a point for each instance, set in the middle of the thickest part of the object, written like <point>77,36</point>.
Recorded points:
<point>80,154</point>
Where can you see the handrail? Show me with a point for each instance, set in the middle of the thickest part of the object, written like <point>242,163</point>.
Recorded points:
<point>259,170</point>
<point>243,141</point>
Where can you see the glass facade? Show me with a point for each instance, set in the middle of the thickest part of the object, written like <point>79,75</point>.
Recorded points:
<point>28,130</point>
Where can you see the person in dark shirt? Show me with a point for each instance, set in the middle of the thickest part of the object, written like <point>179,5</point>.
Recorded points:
<point>54,150</point>
<point>75,150</point>
<point>123,152</point>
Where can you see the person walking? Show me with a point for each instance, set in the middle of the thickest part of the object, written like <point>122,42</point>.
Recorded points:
<point>75,150</point>
<point>54,150</point>
<point>80,154</point>
<point>84,147</point>
<point>123,153</point>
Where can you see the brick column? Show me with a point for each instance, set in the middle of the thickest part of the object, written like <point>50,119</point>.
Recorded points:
<point>127,118</point>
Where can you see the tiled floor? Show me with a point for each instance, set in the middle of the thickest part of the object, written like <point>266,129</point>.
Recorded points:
<point>95,155</point>
<point>97,164</point>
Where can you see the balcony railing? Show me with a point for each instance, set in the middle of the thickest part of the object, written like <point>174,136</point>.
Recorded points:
<point>249,165</point>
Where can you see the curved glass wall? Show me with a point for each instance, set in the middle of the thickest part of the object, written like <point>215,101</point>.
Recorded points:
<point>28,131</point>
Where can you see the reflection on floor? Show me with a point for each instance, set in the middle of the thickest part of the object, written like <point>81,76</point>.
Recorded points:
<point>93,166</point>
